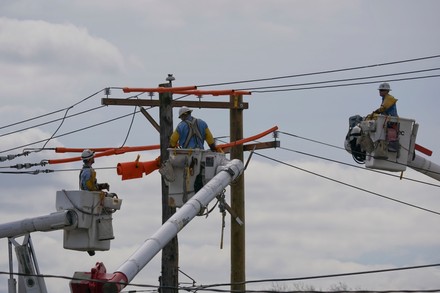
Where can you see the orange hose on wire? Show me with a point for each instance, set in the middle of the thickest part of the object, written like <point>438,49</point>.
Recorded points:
<point>248,139</point>
<point>107,152</point>
<point>213,92</point>
<point>78,150</point>
<point>186,90</point>
<point>127,149</point>
<point>158,89</point>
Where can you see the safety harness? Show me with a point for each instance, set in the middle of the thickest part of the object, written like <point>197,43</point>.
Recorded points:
<point>193,131</point>
<point>92,176</point>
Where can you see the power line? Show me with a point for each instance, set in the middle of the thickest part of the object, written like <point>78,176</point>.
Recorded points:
<point>36,172</point>
<point>329,275</point>
<point>71,132</point>
<point>49,122</point>
<point>347,184</point>
<point>54,112</point>
<point>323,72</point>
<point>271,78</point>
<point>211,287</point>
<point>267,87</point>
<point>343,80</point>
<point>359,167</point>
<point>342,85</point>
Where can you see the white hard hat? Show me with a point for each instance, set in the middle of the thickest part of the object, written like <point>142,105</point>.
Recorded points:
<point>384,86</point>
<point>87,155</point>
<point>184,110</point>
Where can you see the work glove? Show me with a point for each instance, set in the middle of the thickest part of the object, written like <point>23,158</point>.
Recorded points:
<point>102,186</point>
<point>213,147</point>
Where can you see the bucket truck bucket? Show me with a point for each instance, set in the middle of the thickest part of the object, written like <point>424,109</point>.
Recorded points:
<point>382,142</point>
<point>94,210</point>
<point>187,171</point>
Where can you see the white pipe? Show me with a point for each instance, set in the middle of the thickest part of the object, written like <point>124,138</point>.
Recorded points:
<point>425,166</point>
<point>54,221</point>
<point>136,262</point>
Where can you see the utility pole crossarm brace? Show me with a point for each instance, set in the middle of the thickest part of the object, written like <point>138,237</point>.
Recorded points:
<point>174,103</point>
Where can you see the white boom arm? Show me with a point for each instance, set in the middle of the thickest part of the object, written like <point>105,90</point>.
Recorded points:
<point>425,166</point>
<point>131,267</point>
<point>54,221</point>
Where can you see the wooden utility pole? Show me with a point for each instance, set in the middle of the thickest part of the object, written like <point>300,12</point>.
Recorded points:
<point>169,279</point>
<point>238,271</point>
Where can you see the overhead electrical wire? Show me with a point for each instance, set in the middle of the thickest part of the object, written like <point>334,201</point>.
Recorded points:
<point>33,118</point>
<point>71,132</point>
<point>347,184</point>
<point>324,71</point>
<point>257,91</point>
<point>212,287</point>
<point>59,110</point>
<point>359,167</point>
<point>343,80</point>
<point>36,172</point>
<point>51,121</point>
<point>268,87</point>
<point>54,120</point>
<point>340,85</point>
<point>64,117</point>
<point>129,128</point>
<point>285,77</point>
<point>325,276</point>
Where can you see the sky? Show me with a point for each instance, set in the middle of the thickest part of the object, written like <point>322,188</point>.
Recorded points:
<point>309,212</point>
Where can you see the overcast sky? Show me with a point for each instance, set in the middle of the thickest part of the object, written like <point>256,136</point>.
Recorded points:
<point>304,216</point>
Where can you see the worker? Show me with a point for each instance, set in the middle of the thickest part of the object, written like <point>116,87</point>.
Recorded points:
<point>191,133</point>
<point>388,106</point>
<point>87,176</point>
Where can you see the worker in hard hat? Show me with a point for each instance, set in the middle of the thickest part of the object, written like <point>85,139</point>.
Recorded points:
<point>87,176</point>
<point>191,132</point>
<point>388,106</point>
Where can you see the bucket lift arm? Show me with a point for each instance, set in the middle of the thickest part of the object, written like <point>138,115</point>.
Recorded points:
<point>85,218</point>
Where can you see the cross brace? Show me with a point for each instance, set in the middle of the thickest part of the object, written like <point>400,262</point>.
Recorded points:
<point>174,103</point>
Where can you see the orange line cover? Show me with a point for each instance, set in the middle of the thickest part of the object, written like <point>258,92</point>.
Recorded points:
<point>101,152</point>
